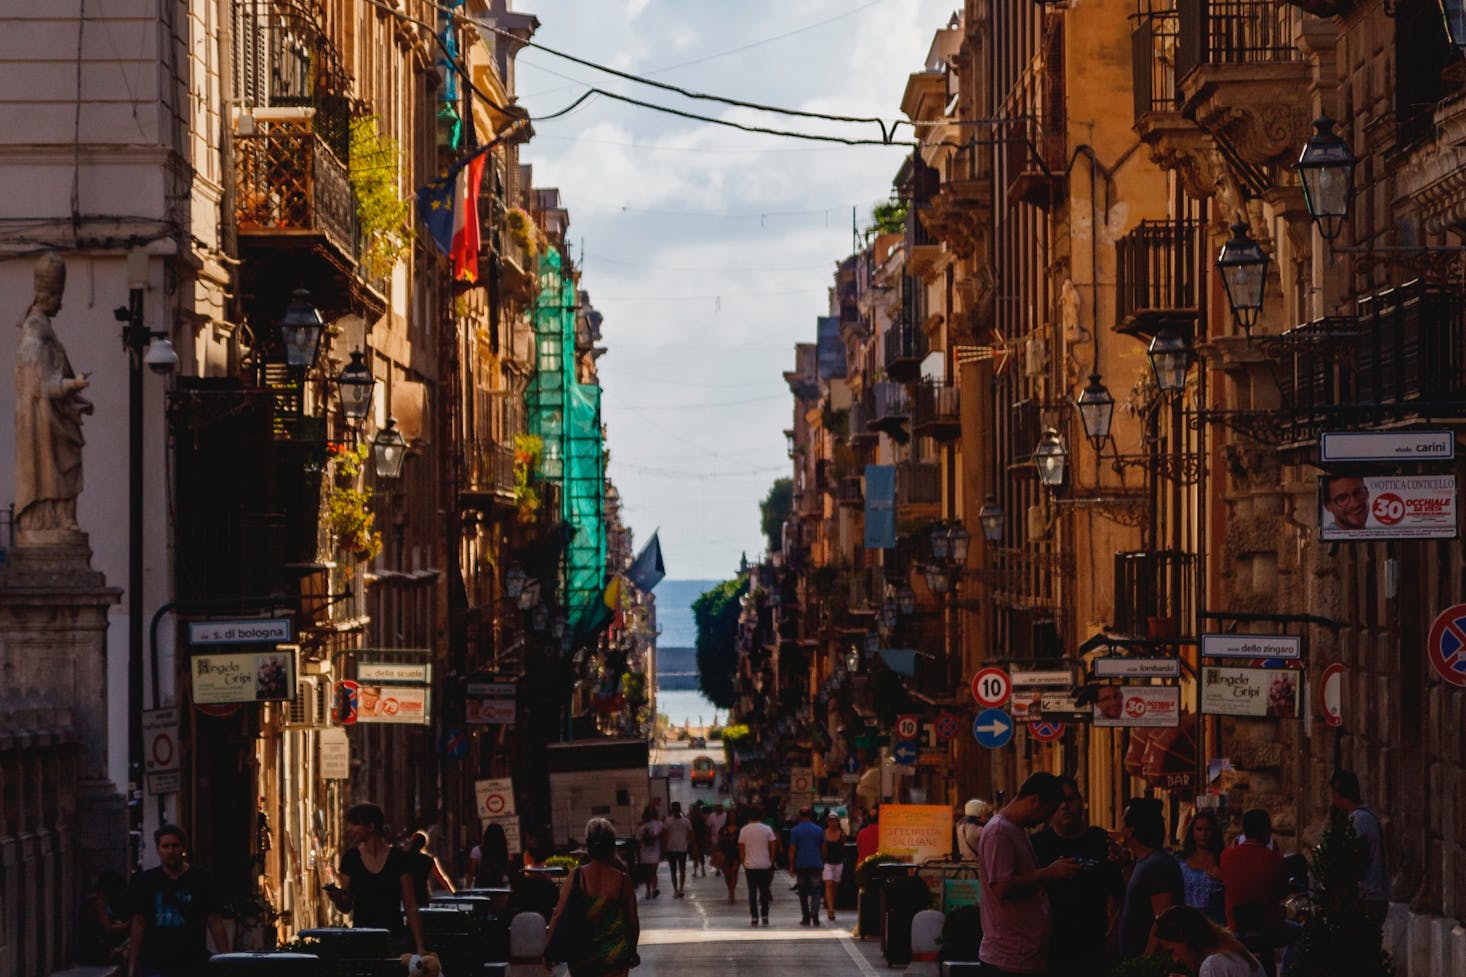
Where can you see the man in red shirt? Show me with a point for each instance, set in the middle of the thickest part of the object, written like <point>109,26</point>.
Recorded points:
<point>867,840</point>
<point>1254,877</point>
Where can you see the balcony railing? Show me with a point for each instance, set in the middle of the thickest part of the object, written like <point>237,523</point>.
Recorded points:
<point>1233,32</point>
<point>936,411</point>
<point>905,346</point>
<point>1155,594</point>
<point>1158,274</point>
<point>490,469</point>
<point>892,402</point>
<point>288,181</point>
<point>862,422</point>
<point>851,494</point>
<point>1153,60</point>
<point>1024,429</point>
<point>918,483</point>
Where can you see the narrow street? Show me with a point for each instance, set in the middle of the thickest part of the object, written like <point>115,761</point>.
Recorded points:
<point>705,934</point>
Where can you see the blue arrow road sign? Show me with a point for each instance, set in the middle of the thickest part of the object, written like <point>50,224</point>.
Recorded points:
<point>993,728</point>
<point>852,764</point>
<point>905,753</point>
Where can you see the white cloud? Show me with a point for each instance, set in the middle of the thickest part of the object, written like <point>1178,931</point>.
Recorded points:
<point>695,402</point>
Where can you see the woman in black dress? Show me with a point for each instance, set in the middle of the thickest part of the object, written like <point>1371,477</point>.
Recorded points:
<point>376,880</point>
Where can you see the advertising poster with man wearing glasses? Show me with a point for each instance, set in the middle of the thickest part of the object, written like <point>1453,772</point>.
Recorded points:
<point>1366,507</point>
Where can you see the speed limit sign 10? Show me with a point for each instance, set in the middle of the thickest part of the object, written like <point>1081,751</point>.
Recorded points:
<point>991,687</point>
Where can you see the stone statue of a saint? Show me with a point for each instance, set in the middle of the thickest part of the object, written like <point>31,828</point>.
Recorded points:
<point>48,412</point>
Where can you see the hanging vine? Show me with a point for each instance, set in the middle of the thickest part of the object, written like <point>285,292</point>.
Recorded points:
<point>374,171</point>
<point>346,510</point>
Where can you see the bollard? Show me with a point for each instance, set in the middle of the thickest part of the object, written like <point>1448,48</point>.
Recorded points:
<point>527,936</point>
<point>926,930</point>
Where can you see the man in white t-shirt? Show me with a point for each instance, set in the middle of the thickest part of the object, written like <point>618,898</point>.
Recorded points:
<point>717,817</point>
<point>757,845</point>
<point>649,851</point>
<point>676,831</point>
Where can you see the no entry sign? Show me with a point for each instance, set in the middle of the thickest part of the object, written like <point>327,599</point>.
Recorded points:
<point>1446,646</point>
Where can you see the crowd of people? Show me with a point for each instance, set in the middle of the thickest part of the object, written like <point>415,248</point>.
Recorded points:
<point>1063,898</point>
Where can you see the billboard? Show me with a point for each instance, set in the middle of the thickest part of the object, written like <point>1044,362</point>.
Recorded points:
<point>243,677</point>
<point>1137,705</point>
<point>1260,692</point>
<point>1367,507</point>
<point>915,832</point>
<point>392,704</point>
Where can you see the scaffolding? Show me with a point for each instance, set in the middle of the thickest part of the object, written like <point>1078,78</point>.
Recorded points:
<point>566,415</point>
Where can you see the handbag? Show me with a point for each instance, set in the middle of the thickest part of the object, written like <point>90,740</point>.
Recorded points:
<point>566,940</point>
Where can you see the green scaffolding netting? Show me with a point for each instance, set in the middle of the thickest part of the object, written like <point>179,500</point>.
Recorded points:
<point>566,415</point>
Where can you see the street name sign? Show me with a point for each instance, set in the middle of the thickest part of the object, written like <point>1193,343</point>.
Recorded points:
<point>1044,678</point>
<point>265,631</point>
<point>1136,667</point>
<point>1287,647</point>
<point>1335,446</point>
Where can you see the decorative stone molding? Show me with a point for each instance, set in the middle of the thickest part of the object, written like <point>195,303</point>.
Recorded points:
<point>1179,145</point>
<point>1263,111</point>
<point>1433,179</point>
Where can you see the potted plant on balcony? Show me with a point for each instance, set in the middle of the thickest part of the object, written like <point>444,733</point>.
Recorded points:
<point>346,509</point>
<point>383,217</point>
<point>528,450</point>
<point>522,230</point>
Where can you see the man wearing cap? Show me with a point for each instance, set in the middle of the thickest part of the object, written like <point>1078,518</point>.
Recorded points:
<point>969,828</point>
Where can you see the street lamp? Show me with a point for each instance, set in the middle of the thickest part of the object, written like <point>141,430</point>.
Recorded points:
<point>514,581</point>
<point>389,450</point>
<point>300,330</point>
<point>354,385</point>
<point>959,537</point>
<point>1326,170</point>
<point>938,580</point>
<point>906,600</point>
<point>1243,265</point>
<point>990,517</point>
<point>1049,458</point>
<point>939,543</point>
<point>1170,358</point>
<point>1096,411</point>
<point>145,347</point>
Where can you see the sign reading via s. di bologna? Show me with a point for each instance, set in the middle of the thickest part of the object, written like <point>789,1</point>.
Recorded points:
<point>1367,507</point>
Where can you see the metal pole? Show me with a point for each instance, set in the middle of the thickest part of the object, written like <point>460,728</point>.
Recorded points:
<point>134,338</point>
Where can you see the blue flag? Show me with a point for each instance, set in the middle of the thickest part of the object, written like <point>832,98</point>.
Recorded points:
<point>647,570</point>
<point>880,507</point>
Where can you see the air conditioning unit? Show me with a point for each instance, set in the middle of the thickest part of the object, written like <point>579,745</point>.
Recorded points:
<point>309,708</point>
<point>1035,356</point>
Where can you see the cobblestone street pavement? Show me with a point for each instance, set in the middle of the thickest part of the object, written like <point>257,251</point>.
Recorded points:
<point>704,935</point>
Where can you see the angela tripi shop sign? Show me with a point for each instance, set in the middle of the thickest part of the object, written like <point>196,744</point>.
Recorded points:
<point>243,677</point>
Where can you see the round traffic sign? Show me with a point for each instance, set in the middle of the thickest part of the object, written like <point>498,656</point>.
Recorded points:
<point>907,727</point>
<point>161,751</point>
<point>1446,646</point>
<point>947,726</point>
<point>495,803</point>
<point>993,728</point>
<point>905,753</point>
<point>1045,730</point>
<point>991,687</point>
<point>1331,694</point>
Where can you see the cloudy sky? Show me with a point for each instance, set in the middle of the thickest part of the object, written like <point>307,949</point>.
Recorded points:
<point>708,250</point>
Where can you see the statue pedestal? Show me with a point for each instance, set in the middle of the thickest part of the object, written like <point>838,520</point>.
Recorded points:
<point>53,661</point>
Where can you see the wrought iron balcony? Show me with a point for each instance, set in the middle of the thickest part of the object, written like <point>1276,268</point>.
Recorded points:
<point>918,483</point>
<point>906,346</point>
<point>862,424</point>
<point>1153,60</point>
<point>288,182</point>
<point>892,405</point>
<point>1403,356</point>
<point>1022,431</point>
<point>936,411</point>
<point>851,494</point>
<point>1155,594</point>
<point>488,474</point>
<point>1160,275</point>
<point>1233,32</point>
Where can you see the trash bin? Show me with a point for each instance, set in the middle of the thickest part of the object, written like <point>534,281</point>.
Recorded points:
<point>452,934</point>
<point>350,952</point>
<point>847,893</point>
<point>264,965</point>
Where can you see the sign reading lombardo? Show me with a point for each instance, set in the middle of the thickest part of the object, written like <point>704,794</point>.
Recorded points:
<point>1137,705</point>
<point>401,704</point>
<point>243,677</point>
<point>1260,692</point>
<point>1366,507</point>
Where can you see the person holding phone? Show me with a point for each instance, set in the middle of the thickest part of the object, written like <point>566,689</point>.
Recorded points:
<point>377,885</point>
